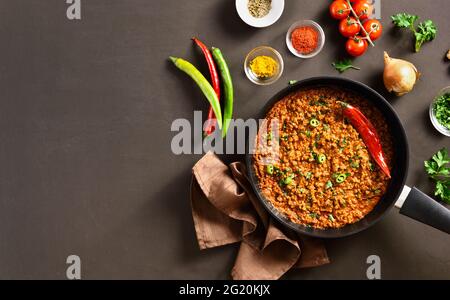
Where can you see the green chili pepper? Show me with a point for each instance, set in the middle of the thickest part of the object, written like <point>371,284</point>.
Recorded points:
<point>228,88</point>
<point>269,169</point>
<point>354,164</point>
<point>314,215</point>
<point>202,83</point>
<point>321,158</point>
<point>341,178</point>
<point>286,181</point>
<point>314,122</point>
<point>276,170</point>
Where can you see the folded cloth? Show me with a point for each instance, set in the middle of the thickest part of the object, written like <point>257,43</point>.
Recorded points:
<point>225,210</point>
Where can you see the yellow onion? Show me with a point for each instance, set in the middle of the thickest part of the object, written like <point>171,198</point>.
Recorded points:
<point>399,75</point>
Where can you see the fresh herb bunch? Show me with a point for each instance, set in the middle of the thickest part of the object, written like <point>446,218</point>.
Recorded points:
<point>438,169</point>
<point>344,65</point>
<point>441,109</point>
<point>425,31</point>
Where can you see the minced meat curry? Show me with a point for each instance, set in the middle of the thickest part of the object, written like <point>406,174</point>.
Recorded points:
<point>313,166</point>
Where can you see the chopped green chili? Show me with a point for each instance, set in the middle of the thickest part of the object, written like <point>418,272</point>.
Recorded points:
<point>314,122</point>
<point>321,158</point>
<point>314,215</point>
<point>287,180</point>
<point>354,163</point>
<point>340,178</point>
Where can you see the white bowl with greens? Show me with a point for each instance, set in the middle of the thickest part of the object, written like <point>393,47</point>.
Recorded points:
<point>260,13</point>
<point>440,112</point>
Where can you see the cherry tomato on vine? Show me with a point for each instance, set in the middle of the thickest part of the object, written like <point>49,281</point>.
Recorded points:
<point>363,9</point>
<point>373,28</point>
<point>349,27</point>
<point>353,2</point>
<point>356,46</point>
<point>339,9</point>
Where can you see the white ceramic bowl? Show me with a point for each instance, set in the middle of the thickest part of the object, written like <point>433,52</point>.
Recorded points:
<point>439,127</point>
<point>273,15</point>
<point>300,24</point>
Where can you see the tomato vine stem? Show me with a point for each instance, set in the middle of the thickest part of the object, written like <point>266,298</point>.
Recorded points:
<point>360,24</point>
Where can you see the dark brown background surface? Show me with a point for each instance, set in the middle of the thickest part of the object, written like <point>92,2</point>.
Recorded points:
<point>85,112</point>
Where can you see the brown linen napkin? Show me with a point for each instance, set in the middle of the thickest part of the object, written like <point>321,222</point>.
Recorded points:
<point>225,210</point>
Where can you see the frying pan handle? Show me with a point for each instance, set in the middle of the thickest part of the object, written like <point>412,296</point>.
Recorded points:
<point>419,206</point>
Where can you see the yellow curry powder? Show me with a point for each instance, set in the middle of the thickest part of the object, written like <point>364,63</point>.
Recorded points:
<point>263,66</point>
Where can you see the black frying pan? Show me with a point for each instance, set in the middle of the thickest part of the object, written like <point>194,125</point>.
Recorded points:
<point>412,202</point>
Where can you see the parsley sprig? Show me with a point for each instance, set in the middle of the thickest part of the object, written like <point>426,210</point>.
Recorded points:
<point>438,169</point>
<point>425,31</point>
<point>344,65</point>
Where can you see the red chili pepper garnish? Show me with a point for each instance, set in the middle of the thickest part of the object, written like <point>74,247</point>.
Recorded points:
<point>210,124</point>
<point>368,134</point>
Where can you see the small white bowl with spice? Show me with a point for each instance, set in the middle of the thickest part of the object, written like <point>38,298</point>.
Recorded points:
<point>305,39</point>
<point>260,13</point>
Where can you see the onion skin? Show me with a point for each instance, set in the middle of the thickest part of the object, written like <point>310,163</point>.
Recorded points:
<point>399,75</point>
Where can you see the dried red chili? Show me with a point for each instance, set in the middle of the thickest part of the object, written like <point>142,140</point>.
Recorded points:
<point>368,134</point>
<point>305,39</point>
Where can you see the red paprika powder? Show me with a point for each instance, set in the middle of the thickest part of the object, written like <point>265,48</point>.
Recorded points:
<point>305,39</point>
